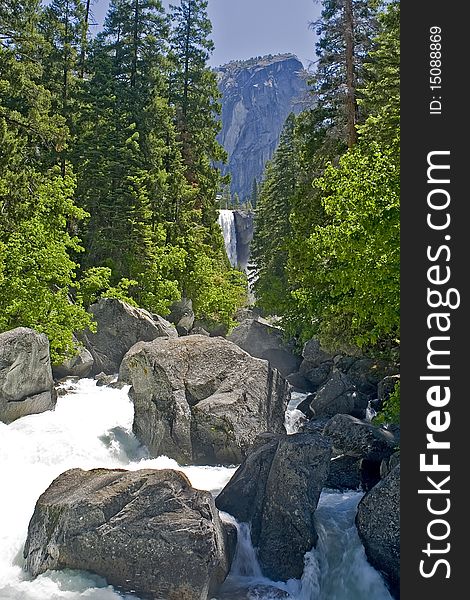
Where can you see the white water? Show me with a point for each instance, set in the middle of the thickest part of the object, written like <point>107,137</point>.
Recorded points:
<point>336,570</point>
<point>227,225</point>
<point>92,427</point>
<point>294,417</point>
<point>89,428</point>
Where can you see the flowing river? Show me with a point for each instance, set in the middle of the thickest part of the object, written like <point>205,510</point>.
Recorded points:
<point>92,427</point>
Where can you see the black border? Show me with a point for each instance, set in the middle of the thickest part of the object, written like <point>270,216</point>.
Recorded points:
<point>423,132</point>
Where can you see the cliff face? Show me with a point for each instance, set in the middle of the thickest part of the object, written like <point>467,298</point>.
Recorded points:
<point>257,97</point>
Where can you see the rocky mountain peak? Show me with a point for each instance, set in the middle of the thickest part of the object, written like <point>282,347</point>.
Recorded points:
<point>257,96</point>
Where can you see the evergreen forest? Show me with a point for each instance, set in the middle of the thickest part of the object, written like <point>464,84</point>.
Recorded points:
<point>109,184</point>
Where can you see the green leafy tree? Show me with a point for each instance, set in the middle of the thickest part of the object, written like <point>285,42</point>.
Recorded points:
<point>37,211</point>
<point>348,292</point>
<point>37,269</point>
<point>390,413</point>
<point>216,292</point>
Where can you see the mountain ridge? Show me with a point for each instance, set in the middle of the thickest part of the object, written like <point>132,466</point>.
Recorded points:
<point>258,94</point>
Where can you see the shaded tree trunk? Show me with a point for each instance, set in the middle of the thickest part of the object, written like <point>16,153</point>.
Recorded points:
<point>351,107</point>
<point>135,43</point>
<point>84,39</point>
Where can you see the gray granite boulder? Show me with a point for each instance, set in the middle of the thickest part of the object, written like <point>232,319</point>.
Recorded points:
<point>378,524</point>
<point>359,438</point>
<point>202,400</point>
<point>262,340</point>
<point>365,373</point>
<point>119,327</point>
<point>147,532</point>
<point>26,382</point>
<point>79,365</point>
<point>276,490</point>
<point>336,396</point>
<point>182,316</point>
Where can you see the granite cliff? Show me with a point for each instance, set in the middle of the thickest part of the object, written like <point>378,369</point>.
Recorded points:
<point>257,96</point>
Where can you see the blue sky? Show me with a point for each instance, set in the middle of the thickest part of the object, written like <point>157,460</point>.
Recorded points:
<point>246,28</point>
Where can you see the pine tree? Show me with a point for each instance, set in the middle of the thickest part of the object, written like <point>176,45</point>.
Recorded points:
<point>344,271</point>
<point>64,27</point>
<point>345,30</point>
<point>194,94</point>
<point>380,94</point>
<point>122,155</point>
<point>272,223</point>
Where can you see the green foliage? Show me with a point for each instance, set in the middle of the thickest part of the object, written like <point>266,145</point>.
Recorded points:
<point>329,81</point>
<point>327,224</point>
<point>107,153</point>
<point>194,94</point>
<point>37,269</point>
<point>95,283</point>
<point>390,413</point>
<point>216,294</point>
<point>380,95</point>
<point>349,284</point>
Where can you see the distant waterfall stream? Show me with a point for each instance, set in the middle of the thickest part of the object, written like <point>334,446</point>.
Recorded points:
<point>229,231</point>
<point>92,427</point>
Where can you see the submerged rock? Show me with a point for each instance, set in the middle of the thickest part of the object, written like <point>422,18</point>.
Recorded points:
<point>147,532</point>
<point>378,524</point>
<point>276,490</point>
<point>119,327</point>
<point>202,400</point>
<point>26,382</point>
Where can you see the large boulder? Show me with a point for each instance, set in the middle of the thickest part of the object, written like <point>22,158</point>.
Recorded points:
<point>315,354</point>
<point>147,532</point>
<point>359,438</point>
<point>299,383</point>
<point>202,400</point>
<point>378,524</point>
<point>345,473</point>
<point>316,366</point>
<point>276,490</point>
<point>360,449</point>
<point>26,382</point>
<point>182,316</point>
<point>213,328</point>
<point>79,365</point>
<point>316,375</point>
<point>262,340</point>
<point>119,327</point>
<point>337,396</point>
<point>366,373</point>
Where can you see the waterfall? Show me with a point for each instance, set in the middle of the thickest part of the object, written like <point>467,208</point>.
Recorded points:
<point>227,225</point>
